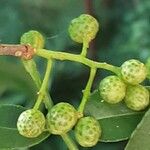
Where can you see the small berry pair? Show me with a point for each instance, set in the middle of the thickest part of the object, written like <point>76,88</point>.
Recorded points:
<point>60,119</point>
<point>113,90</point>
<point>63,116</point>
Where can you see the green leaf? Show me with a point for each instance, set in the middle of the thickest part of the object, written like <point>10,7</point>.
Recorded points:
<point>148,68</point>
<point>13,76</point>
<point>108,146</point>
<point>116,120</point>
<point>31,68</point>
<point>140,139</point>
<point>13,98</point>
<point>148,87</point>
<point>9,135</point>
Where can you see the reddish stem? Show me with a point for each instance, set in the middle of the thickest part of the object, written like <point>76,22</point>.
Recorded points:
<point>22,51</point>
<point>89,6</point>
<point>89,9</point>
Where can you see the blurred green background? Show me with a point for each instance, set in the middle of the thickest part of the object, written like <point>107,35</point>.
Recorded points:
<point>124,34</point>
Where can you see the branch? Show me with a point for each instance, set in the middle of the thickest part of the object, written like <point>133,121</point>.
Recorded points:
<point>49,54</point>
<point>23,51</point>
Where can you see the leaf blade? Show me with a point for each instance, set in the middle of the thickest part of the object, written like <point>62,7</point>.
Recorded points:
<point>140,139</point>
<point>16,140</point>
<point>117,121</point>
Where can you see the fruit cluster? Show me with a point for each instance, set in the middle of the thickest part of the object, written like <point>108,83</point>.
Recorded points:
<point>63,117</point>
<point>59,120</point>
<point>114,89</point>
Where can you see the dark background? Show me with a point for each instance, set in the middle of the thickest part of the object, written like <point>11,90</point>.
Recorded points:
<point>124,34</point>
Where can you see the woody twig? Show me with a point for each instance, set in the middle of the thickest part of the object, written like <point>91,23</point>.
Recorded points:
<point>23,51</point>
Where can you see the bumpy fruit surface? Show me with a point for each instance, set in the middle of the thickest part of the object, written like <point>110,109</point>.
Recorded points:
<point>83,28</point>
<point>137,97</point>
<point>87,131</point>
<point>33,38</point>
<point>61,118</point>
<point>31,123</point>
<point>112,89</point>
<point>133,71</point>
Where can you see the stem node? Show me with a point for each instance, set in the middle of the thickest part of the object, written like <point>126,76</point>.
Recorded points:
<point>42,93</point>
<point>23,51</point>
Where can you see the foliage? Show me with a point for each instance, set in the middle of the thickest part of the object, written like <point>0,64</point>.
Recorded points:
<point>124,34</point>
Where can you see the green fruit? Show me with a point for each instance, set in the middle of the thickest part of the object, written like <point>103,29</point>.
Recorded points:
<point>137,97</point>
<point>112,89</point>
<point>61,118</point>
<point>83,28</point>
<point>133,71</point>
<point>31,123</point>
<point>33,38</point>
<point>87,131</point>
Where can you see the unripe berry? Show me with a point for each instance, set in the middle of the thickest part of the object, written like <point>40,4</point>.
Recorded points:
<point>133,71</point>
<point>112,89</point>
<point>137,97</point>
<point>83,28</point>
<point>33,38</point>
<point>87,131</point>
<point>61,118</point>
<point>31,123</point>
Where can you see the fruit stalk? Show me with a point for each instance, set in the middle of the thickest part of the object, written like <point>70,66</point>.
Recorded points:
<point>43,89</point>
<point>84,48</point>
<point>49,54</point>
<point>36,40</point>
<point>86,92</point>
<point>31,68</point>
<point>69,142</point>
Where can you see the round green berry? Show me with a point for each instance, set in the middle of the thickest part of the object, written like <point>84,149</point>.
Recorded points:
<point>133,71</point>
<point>112,89</point>
<point>83,28</point>
<point>61,118</point>
<point>87,131</point>
<point>137,97</point>
<point>33,38</point>
<point>31,123</point>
